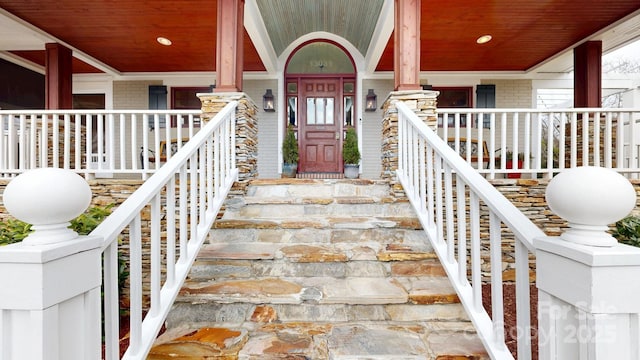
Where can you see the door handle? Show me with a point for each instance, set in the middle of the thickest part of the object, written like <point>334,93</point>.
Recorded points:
<point>337,135</point>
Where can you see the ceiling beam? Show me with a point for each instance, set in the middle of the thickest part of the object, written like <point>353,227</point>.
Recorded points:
<point>260,36</point>
<point>380,38</point>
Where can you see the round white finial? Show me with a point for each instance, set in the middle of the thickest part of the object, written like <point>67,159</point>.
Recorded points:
<point>590,198</point>
<point>47,198</point>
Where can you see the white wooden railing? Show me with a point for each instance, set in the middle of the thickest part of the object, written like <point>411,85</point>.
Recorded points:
<point>91,142</point>
<point>567,137</point>
<point>436,180</point>
<point>177,204</point>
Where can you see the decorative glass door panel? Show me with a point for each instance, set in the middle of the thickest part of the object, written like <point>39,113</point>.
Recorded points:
<point>320,111</point>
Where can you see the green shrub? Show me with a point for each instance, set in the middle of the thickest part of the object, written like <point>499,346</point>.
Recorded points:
<point>85,223</point>
<point>350,152</point>
<point>13,231</point>
<point>290,147</point>
<point>627,231</point>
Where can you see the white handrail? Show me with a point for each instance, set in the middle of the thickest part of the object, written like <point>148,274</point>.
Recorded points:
<point>91,142</point>
<point>435,177</point>
<point>547,140</point>
<point>180,201</point>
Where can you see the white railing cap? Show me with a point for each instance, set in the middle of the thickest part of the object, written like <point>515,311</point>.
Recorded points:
<point>47,198</point>
<point>590,198</point>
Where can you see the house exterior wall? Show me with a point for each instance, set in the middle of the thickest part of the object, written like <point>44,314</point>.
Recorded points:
<point>267,126</point>
<point>371,126</point>
<point>513,93</point>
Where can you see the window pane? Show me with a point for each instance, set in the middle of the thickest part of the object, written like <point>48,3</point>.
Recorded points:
<point>348,110</point>
<point>348,88</point>
<point>292,110</point>
<point>320,111</point>
<point>311,111</point>
<point>329,111</point>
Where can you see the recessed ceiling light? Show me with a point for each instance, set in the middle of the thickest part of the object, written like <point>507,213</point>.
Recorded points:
<point>484,39</point>
<point>164,41</point>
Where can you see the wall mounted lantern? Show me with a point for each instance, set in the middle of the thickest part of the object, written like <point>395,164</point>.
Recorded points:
<point>371,101</point>
<point>267,101</point>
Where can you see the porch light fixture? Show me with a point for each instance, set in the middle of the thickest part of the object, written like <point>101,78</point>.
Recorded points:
<point>371,101</point>
<point>484,39</point>
<point>267,101</point>
<point>164,41</point>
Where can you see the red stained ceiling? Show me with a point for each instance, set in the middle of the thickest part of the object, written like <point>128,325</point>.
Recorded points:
<point>122,34</point>
<point>525,33</point>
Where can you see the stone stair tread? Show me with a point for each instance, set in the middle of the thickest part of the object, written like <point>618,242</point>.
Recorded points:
<point>320,222</point>
<point>357,207</point>
<point>323,290</point>
<point>219,268</point>
<point>314,200</point>
<point>343,341</point>
<point>245,251</point>
<point>234,314</point>
<point>311,235</point>
<point>336,252</point>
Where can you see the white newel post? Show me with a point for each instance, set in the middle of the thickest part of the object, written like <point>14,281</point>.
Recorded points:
<point>588,284</point>
<point>50,282</point>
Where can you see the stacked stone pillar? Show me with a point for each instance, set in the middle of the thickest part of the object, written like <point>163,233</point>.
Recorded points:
<point>423,103</point>
<point>246,133</point>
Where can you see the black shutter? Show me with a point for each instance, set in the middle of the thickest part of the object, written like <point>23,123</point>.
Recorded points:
<point>157,101</point>
<point>486,99</point>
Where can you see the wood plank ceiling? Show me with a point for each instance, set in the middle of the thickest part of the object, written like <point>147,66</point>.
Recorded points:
<point>122,34</point>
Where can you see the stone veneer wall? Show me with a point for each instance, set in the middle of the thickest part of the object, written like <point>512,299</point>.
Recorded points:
<point>423,103</point>
<point>246,133</point>
<point>602,140</point>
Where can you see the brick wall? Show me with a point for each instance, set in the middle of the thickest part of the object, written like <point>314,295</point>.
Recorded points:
<point>512,93</point>
<point>132,95</point>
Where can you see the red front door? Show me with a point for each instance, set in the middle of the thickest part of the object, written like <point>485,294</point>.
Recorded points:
<point>320,125</point>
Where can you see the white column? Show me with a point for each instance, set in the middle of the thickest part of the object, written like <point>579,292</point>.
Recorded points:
<point>50,300</point>
<point>50,283</point>
<point>588,286</point>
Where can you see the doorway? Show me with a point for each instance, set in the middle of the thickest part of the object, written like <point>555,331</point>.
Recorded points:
<point>320,86</point>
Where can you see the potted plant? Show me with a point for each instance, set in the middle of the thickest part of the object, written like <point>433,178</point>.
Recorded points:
<point>351,154</point>
<point>519,163</point>
<point>290,154</point>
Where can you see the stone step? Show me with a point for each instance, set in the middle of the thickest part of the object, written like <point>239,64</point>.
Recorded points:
<point>236,314</point>
<point>310,188</point>
<point>342,239</point>
<point>205,269</point>
<point>261,339</point>
<point>283,209</point>
<point>319,222</point>
<point>320,290</point>
<point>240,232</point>
<point>318,269</point>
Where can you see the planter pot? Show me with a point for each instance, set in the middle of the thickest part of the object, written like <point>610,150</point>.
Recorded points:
<point>351,171</point>
<point>289,170</point>
<point>510,166</point>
